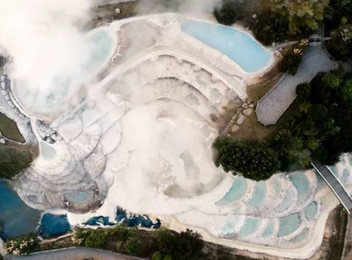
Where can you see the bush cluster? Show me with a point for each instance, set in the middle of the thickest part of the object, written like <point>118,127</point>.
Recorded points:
<point>160,245</point>
<point>23,245</point>
<point>292,58</point>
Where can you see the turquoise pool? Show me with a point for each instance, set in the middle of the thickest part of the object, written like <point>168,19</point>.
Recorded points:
<point>238,45</point>
<point>250,226</point>
<point>16,218</point>
<point>236,191</point>
<point>302,184</point>
<point>289,224</point>
<point>259,195</point>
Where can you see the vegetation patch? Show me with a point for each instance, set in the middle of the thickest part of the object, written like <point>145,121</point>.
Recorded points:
<point>292,58</point>
<point>23,245</point>
<point>320,129</point>
<point>159,245</point>
<point>338,22</point>
<point>13,160</point>
<point>9,129</point>
<point>275,21</point>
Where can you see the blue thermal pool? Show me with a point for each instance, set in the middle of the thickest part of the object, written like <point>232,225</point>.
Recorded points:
<point>300,237</point>
<point>16,218</point>
<point>238,45</point>
<point>302,185</point>
<point>311,210</point>
<point>250,226</point>
<point>53,225</point>
<point>269,229</point>
<point>230,224</point>
<point>102,41</point>
<point>259,194</point>
<point>237,190</point>
<point>79,197</point>
<point>47,151</point>
<point>288,224</point>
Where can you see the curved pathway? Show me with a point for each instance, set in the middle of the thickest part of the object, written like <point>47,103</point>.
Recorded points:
<point>73,254</point>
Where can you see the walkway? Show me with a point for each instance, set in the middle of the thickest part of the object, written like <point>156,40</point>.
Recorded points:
<point>272,106</point>
<point>335,185</point>
<point>73,254</point>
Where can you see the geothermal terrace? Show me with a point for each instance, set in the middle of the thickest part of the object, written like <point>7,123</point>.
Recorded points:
<point>139,136</point>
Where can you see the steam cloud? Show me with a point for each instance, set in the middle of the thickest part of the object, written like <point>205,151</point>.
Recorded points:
<point>46,45</point>
<point>43,38</point>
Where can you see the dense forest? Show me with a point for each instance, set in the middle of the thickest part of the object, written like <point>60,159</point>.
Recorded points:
<point>13,160</point>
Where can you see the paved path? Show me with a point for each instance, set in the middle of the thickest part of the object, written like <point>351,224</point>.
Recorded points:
<point>335,185</point>
<point>272,106</point>
<point>73,254</point>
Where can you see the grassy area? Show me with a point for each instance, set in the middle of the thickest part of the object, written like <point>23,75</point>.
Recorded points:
<point>252,129</point>
<point>9,129</point>
<point>256,91</point>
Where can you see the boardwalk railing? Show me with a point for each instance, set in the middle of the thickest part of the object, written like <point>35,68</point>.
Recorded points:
<point>335,185</point>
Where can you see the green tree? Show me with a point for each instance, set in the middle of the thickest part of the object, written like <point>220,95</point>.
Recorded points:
<point>302,158</point>
<point>304,107</point>
<point>313,144</point>
<point>346,90</point>
<point>134,246</point>
<point>303,91</point>
<point>303,15</point>
<point>318,113</point>
<point>229,12</point>
<point>331,80</point>
<point>290,62</point>
<point>13,160</point>
<point>157,256</point>
<point>252,160</point>
<point>181,246</point>
<point>95,238</point>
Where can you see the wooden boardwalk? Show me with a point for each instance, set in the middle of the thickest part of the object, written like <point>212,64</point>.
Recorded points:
<point>335,185</point>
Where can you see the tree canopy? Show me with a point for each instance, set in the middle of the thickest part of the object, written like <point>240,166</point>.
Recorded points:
<point>12,161</point>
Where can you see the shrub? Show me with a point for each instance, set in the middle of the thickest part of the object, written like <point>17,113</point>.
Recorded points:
<point>23,245</point>
<point>290,62</point>
<point>229,12</point>
<point>331,80</point>
<point>318,113</point>
<point>157,256</point>
<point>252,160</point>
<point>134,246</point>
<point>181,246</point>
<point>96,238</point>
<point>270,27</point>
<point>347,90</point>
<point>303,91</point>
